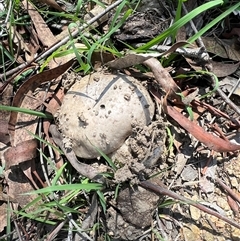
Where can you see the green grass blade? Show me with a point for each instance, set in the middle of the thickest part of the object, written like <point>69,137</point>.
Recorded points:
<point>25,111</point>
<point>213,22</point>
<point>39,219</point>
<point>109,161</point>
<point>181,22</point>
<point>31,204</point>
<point>78,7</point>
<point>45,142</point>
<point>102,201</point>
<point>177,17</point>
<point>107,36</point>
<point>216,84</point>
<point>170,139</point>
<point>67,187</point>
<point>58,175</point>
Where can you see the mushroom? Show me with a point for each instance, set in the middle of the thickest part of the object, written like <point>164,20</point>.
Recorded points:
<point>99,111</point>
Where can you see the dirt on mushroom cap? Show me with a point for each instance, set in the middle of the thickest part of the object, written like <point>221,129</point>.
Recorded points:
<point>98,112</point>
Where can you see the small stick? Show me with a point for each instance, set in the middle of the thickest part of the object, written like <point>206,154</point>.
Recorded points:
<point>164,191</point>
<point>64,40</point>
<point>228,189</point>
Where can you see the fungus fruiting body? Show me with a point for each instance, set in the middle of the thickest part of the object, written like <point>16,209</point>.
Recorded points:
<point>99,110</point>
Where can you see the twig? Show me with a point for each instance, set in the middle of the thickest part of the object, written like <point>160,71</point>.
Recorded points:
<point>228,189</point>
<point>89,219</point>
<point>187,52</point>
<point>80,230</point>
<point>199,40</point>
<point>163,78</point>
<point>63,41</point>
<point>55,231</point>
<point>220,92</point>
<point>164,191</point>
<point>227,100</point>
<point>3,25</point>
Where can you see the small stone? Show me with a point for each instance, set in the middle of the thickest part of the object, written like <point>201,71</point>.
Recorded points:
<point>235,234</point>
<point>191,232</point>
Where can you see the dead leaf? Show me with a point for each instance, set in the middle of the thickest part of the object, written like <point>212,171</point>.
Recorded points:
<point>164,79</point>
<point>22,152</point>
<point>222,47</point>
<point>3,148</point>
<point>221,69</point>
<point>18,39</point>
<point>212,142</point>
<point>130,60</point>
<point>33,45</point>
<point>30,85</point>
<point>28,167</point>
<point>3,216</point>
<point>19,184</point>
<point>99,58</point>
<point>4,137</point>
<point>55,102</point>
<point>44,33</point>
<point>233,204</point>
<point>181,34</point>
<point>6,99</point>
<point>228,83</point>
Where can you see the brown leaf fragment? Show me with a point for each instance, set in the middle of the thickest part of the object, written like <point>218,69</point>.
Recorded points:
<point>4,136</point>
<point>44,33</point>
<point>127,61</point>
<point>30,85</point>
<point>6,99</point>
<point>222,47</point>
<point>18,40</point>
<point>212,142</point>
<point>55,102</point>
<point>233,205</point>
<point>3,216</point>
<point>174,47</point>
<point>22,152</point>
<point>33,45</point>
<point>221,69</point>
<point>164,79</point>
<point>28,167</point>
<point>99,58</point>
<point>18,185</point>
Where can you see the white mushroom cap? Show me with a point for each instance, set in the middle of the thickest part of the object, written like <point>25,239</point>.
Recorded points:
<point>99,111</point>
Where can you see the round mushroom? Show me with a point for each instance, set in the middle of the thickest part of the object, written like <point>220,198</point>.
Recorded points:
<point>99,111</point>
